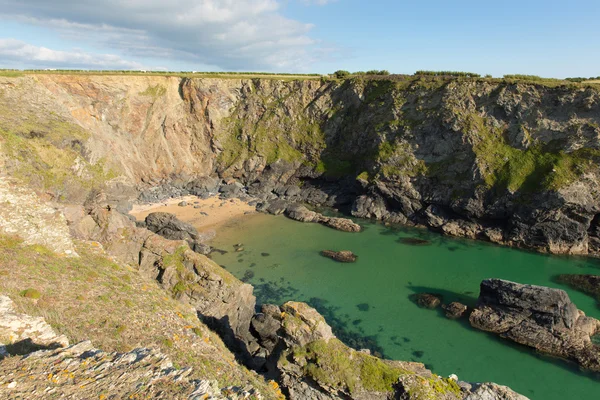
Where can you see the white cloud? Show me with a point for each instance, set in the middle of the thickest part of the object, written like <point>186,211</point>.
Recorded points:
<point>26,54</point>
<point>230,34</point>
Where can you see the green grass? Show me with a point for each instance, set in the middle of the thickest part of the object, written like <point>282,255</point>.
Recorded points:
<point>333,364</point>
<point>94,298</point>
<point>30,294</point>
<point>533,169</point>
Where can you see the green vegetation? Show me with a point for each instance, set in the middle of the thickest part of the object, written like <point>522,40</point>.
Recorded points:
<point>30,294</point>
<point>533,169</point>
<point>448,74</point>
<point>283,131</point>
<point>397,159</point>
<point>341,74</point>
<point>182,74</point>
<point>59,170</point>
<point>92,298</point>
<point>154,91</point>
<point>333,364</point>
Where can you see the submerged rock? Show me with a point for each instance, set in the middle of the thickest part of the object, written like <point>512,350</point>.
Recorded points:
<point>454,310</point>
<point>344,256</point>
<point>427,300</point>
<point>539,317</point>
<point>414,241</point>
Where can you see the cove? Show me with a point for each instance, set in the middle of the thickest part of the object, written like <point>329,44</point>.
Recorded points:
<point>368,304</point>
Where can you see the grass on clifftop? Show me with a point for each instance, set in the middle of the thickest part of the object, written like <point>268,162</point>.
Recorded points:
<point>93,298</point>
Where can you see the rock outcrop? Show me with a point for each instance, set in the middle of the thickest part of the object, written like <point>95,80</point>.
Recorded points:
<point>344,256</point>
<point>314,364</point>
<point>21,333</point>
<point>539,317</point>
<point>301,213</point>
<point>225,303</point>
<point>361,146</point>
<point>170,227</point>
<point>589,284</point>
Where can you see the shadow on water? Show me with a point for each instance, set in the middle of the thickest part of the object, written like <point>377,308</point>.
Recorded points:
<point>470,301</point>
<point>278,292</point>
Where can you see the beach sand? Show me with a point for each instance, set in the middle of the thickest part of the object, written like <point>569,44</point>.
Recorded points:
<point>211,214</point>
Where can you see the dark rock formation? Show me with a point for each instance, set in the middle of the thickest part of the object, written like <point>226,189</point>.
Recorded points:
<point>344,256</point>
<point>168,226</point>
<point>222,301</point>
<point>589,284</point>
<point>538,317</point>
<point>454,310</point>
<point>427,300</point>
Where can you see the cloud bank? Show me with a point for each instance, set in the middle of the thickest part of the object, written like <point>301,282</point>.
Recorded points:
<point>228,34</point>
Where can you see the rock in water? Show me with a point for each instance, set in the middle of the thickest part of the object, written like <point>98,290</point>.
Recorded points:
<point>454,310</point>
<point>538,317</point>
<point>414,241</point>
<point>344,256</point>
<point>589,284</point>
<point>428,300</point>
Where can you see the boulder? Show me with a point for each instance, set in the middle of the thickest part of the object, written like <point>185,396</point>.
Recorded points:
<point>454,310</point>
<point>428,300</point>
<point>344,256</point>
<point>182,204</point>
<point>539,317</point>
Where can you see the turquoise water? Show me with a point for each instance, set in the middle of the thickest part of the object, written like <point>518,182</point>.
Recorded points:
<point>368,301</point>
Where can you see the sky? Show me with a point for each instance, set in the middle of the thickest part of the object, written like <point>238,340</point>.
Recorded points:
<point>548,38</point>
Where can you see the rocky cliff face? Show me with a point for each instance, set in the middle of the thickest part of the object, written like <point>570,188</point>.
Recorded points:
<point>512,163</point>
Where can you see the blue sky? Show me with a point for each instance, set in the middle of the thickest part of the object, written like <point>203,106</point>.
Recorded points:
<point>549,38</point>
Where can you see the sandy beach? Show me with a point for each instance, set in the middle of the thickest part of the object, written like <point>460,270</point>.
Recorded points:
<point>202,213</point>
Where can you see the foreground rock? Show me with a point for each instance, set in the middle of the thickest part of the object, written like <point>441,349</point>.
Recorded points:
<point>21,333</point>
<point>539,317</point>
<point>589,284</point>
<point>170,227</point>
<point>84,372</point>
<point>344,256</point>
<point>314,364</point>
<point>225,303</point>
<point>301,213</point>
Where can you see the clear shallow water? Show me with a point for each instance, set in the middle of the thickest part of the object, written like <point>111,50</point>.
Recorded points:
<point>370,298</point>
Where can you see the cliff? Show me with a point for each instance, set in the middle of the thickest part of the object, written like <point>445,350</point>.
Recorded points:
<point>510,162</point>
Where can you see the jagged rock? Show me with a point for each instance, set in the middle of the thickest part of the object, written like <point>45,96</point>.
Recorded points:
<point>492,391</point>
<point>84,372</point>
<point>344,256</point>
<point>538,317</point>
<point>454,310</point>
<point>170,227</point>
<point>428,300</point>
<point>225,303</point>
<point>21,333</point>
